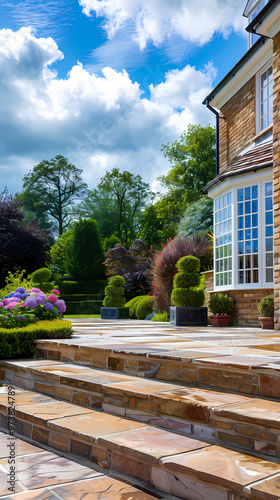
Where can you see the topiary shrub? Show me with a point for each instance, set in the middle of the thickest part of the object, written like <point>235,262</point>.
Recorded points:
<point>220,303</point>
<point>114,292</point>
<point>132,304</point>
<point>266,306</point>
<point>40,279</point>
<point>188,288</point>
<point>144,306</point>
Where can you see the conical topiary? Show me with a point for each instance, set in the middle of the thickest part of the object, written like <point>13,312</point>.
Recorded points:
<point>114,292</point>
<point>188,288</point>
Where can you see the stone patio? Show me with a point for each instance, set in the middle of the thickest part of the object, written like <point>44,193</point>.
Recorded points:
<point>169,412</point>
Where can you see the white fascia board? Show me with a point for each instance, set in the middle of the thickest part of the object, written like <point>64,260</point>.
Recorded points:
<point>270,25</point>
<point>238,180</point>
<point>244,74</point>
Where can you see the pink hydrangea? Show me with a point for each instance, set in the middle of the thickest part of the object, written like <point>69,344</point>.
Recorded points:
<point>56,291</point>
<point>23,304</point>
<point>5,301</point>
<point>36,290</point>
<point>11,304</point>
<point>1,305</point>
<point>52,298</point>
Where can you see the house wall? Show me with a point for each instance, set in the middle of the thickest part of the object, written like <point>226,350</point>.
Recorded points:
<point>276,176</point>
<point>239,129</point>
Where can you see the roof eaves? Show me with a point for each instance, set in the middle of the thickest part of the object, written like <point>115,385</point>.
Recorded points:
<point>234,173</point>
<point>259,17</point>
<point>233,71</point>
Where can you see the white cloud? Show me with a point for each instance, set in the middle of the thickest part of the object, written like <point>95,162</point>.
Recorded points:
<point>97,121</point>
<point>157,20</point>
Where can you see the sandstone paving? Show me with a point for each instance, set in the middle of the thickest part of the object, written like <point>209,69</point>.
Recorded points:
<point>255,411</point>
<point>227,467</point>
<point>149,443</point>
<point>44,475</point>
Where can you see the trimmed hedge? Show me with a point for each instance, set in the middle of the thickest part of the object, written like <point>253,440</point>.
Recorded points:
<point>161,316</point>
<point>19,342</point>
<point>132,304</point>
<point>82,287</point>
<point>83,306</point>
<point>144,306</point>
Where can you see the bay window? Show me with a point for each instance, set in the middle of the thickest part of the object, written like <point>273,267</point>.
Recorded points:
<point>243,236</point>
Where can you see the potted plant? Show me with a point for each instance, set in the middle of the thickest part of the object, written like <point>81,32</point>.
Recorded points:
<point>114,299</point>
<point>221,306</point>
<point>188,294</point>
<point>266,309</point>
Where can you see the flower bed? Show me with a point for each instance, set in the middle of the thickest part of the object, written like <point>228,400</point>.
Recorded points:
<point>28,315</point>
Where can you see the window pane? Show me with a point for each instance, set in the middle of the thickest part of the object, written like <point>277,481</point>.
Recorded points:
<point>254,220</point>
<point>248,234</point>
<point>269,245</point>
<point>269,275</point>
<point>269,260</point>
<point>255,260</point>
<point>241,277</point>
<point>269,218</point>
<point>240,235</point>
<point>247,220</point>
<point>240,222</point>
<point>254,206</point>
<point>240,209</point>
<point>269,231</point>
<point>241,262</point>
<point>255,276</point>
<point>268,189</point>
<point>255,232</point>
<point>248,246</point>
<point>254,192</point>
<point>255,246</point>
<point>268,203</point>
<point>240,195</point>
<point>248,262</point>
<point>247,193</point>
<point>241,248</point>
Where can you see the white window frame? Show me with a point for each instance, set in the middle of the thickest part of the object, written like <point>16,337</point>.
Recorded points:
<point>246,181</point>
<point>258,97</point>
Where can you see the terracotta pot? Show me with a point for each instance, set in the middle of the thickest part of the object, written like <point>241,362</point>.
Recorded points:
<point>220,319</point>
<point>267,323</point>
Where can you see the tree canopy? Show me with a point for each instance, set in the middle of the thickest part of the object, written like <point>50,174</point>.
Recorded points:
<point>130,193</point>
<point>53,186</point>
<point>22,245</point>
<point>193,161</point>
<point>198,217</point>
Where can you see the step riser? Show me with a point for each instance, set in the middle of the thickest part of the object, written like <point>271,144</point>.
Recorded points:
<point>111,461</point>
<point>194,421</point>
<point>254,380</point>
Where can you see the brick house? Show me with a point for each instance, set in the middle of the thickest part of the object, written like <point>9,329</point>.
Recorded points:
<point>246,189</point>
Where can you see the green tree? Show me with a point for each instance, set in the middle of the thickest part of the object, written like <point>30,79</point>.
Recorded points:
<point>54,186</point>
<point>198,217</point>
<point>58,252</point>
<point>193,161</point>
<point>101,206</point>
<point>130,193</point>
<point>84,253</point>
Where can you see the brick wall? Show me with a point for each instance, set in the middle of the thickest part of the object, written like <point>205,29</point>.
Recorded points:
<point>276,176</point>
<point>238,130</point>
<point>209,284</point>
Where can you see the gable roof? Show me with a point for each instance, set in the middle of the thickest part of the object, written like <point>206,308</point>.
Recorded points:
<point>261,156</point>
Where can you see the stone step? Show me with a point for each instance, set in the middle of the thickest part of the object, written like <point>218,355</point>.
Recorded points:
<point>246,423</point>
<point>245,369</point>
<point>30,472</point>
<point>177,465</point>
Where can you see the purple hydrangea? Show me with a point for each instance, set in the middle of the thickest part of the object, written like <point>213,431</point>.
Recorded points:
<point>20,289</point>
<point>48,306</point>
<point>20,317</point>
<point>19,295</point>
<point>36,290</point>
<point>39,300</point>
<point>60,304</point>
<point>31,303</point>
<point>12,294</point>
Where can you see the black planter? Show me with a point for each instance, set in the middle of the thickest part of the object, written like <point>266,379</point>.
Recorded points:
<point>114,312</point>
<point>188,316</point>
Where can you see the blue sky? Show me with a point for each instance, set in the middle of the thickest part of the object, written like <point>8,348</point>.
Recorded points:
<point>105,83</point>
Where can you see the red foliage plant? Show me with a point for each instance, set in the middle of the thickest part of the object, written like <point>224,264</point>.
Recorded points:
<point>163,267</point>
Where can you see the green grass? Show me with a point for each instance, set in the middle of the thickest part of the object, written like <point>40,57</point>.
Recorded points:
<point>74,316</point>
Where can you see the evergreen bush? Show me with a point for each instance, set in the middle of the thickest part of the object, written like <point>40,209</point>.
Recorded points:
<point>266,306</point>
<point>220,303</point>
<point>114,292</point>
<point>162,316</point>
<point>144,306</point>
<point>40,279</point>
<point>84,253</point>
<point>190,293</point>
<point>132,304</point>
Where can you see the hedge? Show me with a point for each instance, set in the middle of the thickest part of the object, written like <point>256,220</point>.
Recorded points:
<point>19,342</point>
